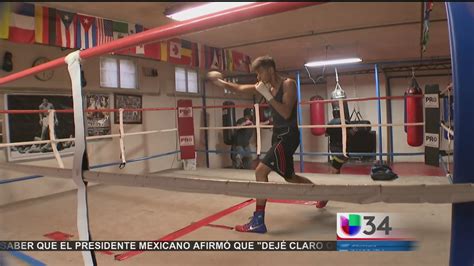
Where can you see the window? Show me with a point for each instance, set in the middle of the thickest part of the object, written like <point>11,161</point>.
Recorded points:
<point>118,73</point>
<point>180,78</point>
<point>186,80</point>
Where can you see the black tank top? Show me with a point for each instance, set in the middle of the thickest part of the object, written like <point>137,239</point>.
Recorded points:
<point>278,120</point>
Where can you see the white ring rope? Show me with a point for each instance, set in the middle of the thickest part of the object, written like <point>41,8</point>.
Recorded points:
<point>122,145</point>
<point>258,126</point>
<point>448,129</point>
<point>52,137</point>
<point>447,90</point>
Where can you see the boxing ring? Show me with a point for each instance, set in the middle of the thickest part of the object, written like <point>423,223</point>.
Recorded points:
<point>460,193</point>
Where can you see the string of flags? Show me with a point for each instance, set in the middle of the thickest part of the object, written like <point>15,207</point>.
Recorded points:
<point>31,23</point>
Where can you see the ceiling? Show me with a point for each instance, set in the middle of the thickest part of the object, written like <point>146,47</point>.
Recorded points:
<point>373,31</point>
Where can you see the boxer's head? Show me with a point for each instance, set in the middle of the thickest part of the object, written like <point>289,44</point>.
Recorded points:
<point>264,67</point>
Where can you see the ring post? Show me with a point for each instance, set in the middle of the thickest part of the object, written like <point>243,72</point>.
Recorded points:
<point>379,111</point>
<point>81,160</point>
<point>460,20</point>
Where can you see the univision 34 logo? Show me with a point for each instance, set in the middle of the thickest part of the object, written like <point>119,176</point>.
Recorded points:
<point>368,226</point>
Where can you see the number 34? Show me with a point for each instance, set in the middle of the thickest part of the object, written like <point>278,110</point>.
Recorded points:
<point>383,226</point>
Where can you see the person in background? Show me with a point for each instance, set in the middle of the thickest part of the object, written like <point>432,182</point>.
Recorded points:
<point>241,156</point>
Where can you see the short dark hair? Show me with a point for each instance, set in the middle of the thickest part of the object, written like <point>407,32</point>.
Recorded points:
<point>248,112</point>
<point>265,61</point>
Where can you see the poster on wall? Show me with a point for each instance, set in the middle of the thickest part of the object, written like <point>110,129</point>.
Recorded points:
<point>34,126</point>
<point>98,123</point>
<point>128,101</point>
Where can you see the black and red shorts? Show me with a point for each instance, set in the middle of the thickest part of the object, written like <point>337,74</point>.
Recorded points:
<point>279,157</point>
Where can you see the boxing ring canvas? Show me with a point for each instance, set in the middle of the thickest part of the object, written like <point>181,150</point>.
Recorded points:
<point>29,126</point>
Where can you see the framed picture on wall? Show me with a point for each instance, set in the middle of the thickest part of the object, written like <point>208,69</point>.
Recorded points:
<point>98,123</point>
<point>128,101</point>
<point>35,126</point>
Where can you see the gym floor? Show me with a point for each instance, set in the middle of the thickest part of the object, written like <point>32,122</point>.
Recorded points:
<point>126,213</point>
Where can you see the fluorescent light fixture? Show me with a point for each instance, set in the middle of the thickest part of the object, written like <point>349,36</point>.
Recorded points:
<point>333,62</point>
<point>205,9</point>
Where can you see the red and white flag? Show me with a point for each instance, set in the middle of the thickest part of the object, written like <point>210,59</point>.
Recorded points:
<point>22,23</point>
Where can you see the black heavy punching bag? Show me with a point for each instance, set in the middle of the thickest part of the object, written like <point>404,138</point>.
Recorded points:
<point>228,120</point>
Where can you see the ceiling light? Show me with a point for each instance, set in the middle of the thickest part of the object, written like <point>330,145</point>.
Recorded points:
<point>333,62</point>
<point>205,9</point>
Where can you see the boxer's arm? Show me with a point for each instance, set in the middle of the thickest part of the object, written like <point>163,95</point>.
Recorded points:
<point>233,86</point>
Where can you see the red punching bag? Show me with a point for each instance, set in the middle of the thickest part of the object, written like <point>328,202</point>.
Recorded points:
<point>317,115</point>
<point>414,114</point>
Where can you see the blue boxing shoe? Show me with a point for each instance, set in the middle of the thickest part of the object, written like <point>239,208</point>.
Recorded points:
<point>256,224</point>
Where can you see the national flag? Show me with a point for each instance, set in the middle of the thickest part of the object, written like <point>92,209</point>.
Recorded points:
<point>125,29</point>
<point>86,32</point>
<point>22,23</point>
<point>214,58</point>
<point>247,64</point>
<point>105,32</point>
<point>66,29</point>
<point>241,62</point>
<point>121,30</point>
<point>153,50</point>
<point>157,50</point>
<point>174,55</point>
<point>186,53</point>
<point>45,25</point>
<point>201,53</point>
<point>164,51</point>
<point>181,52</point>
<point>229,62</point>
<point>195,55</point>
<point>4,20</point>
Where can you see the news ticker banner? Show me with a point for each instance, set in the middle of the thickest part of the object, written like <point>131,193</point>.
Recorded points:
<point>355,232</point>
<point>340,245</point>
<point>168,245</point>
